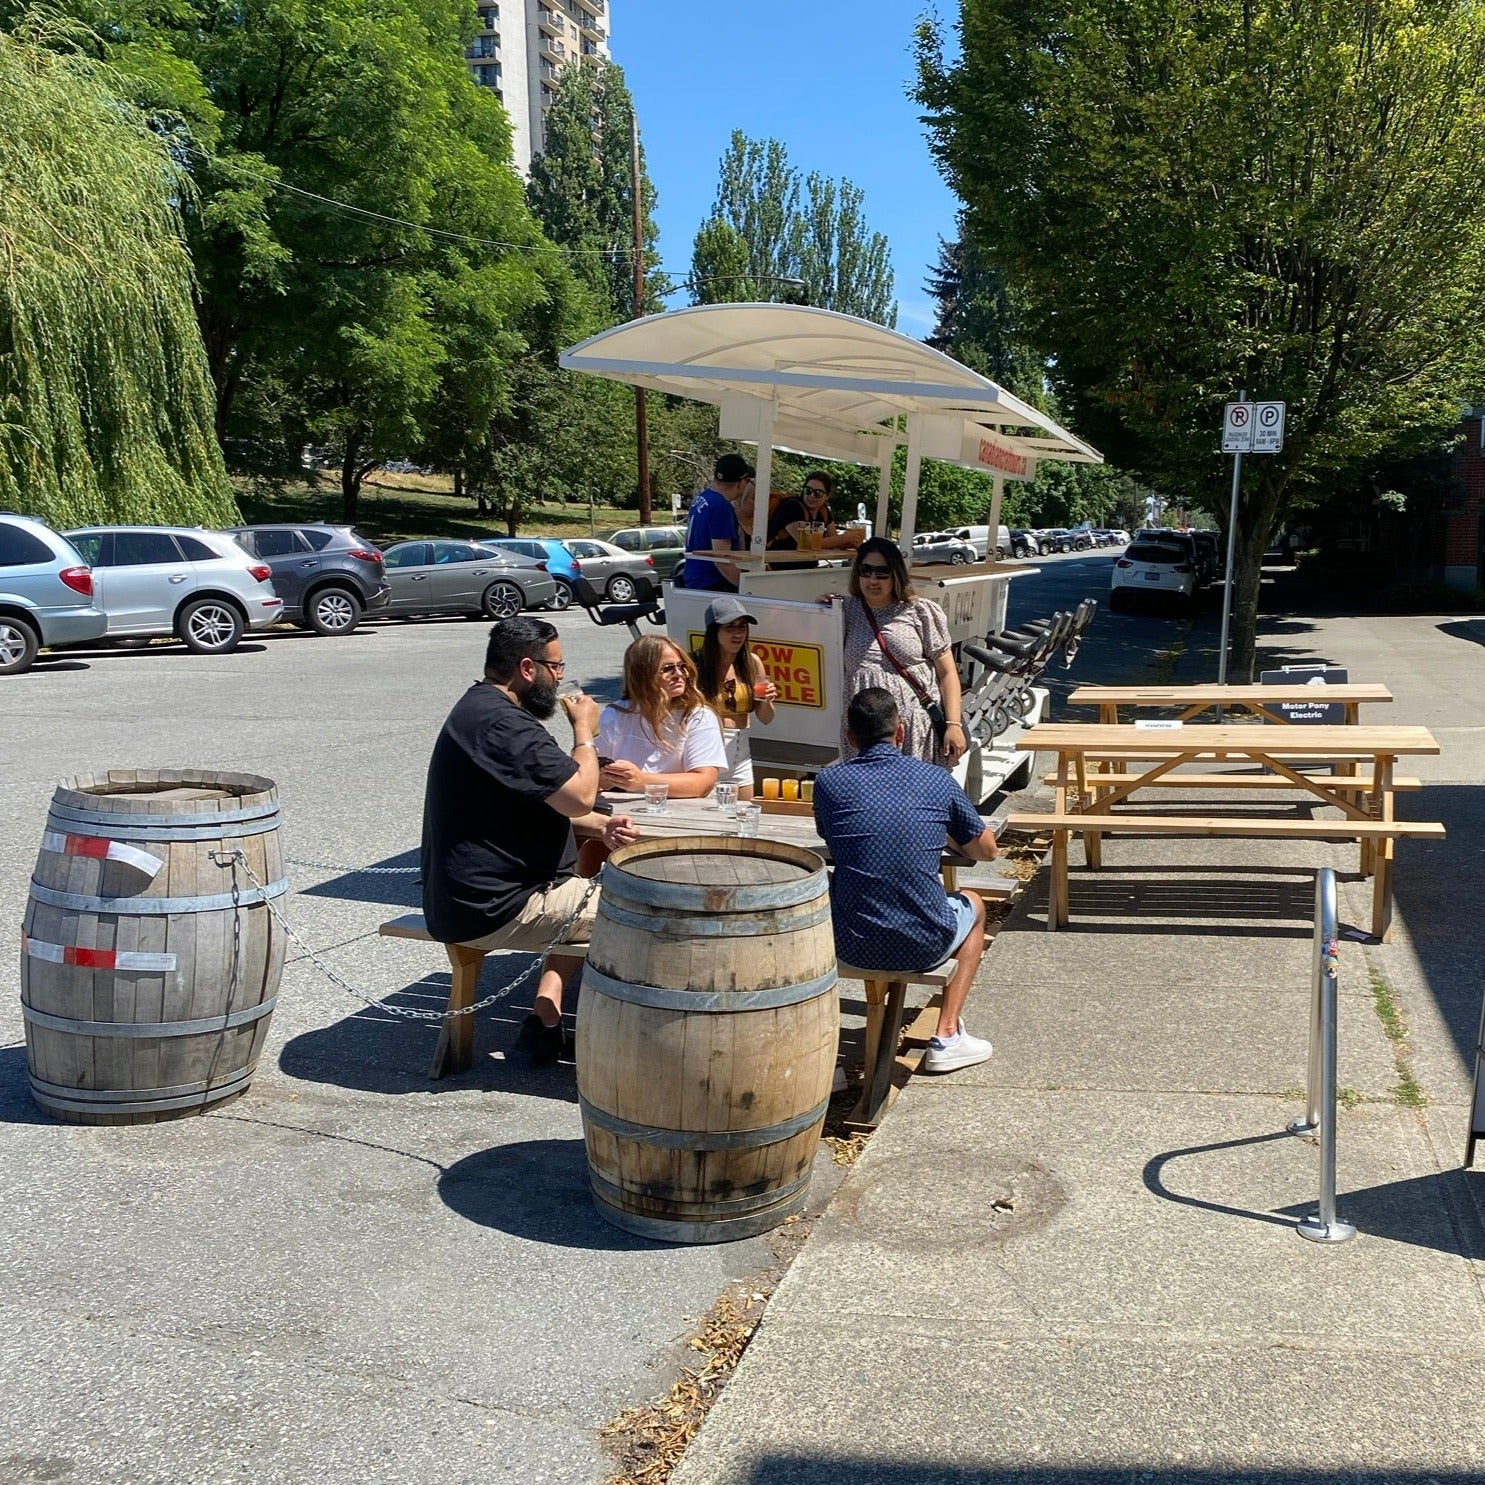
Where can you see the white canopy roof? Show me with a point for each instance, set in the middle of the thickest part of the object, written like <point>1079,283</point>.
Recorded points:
<point>835,384</point>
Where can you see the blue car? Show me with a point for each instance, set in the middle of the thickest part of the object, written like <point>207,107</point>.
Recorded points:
<point>559,561</point>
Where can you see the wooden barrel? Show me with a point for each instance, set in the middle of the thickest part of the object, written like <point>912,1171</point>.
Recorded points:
<point>707,1034</point>
<point>150,960</point>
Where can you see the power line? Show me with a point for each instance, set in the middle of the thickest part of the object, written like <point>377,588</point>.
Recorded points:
<point>391,221</point>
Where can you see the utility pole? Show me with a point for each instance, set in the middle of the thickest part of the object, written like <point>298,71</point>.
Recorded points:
<point>641,414</point>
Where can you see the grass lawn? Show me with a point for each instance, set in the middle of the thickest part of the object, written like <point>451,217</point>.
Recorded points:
<point>411,507</point>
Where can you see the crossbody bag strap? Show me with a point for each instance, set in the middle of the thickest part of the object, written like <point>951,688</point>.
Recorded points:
<point>892,660</point>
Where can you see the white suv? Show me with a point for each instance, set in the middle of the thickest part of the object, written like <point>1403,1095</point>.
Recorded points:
<point>1152,566</point>
<point>197,585</point>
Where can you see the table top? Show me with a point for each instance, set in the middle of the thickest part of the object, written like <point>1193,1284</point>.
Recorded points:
<point>1214,737</point>
<point>1213,695</point>
<point>702,817</point>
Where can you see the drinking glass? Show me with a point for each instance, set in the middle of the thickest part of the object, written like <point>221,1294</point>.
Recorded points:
<point>770,788</point>
<point>656,798</point>
<point>807,790</point>
<point>790,789</point>
<point>760,690</point>
<point>727,800</point>
<point>748,816</point>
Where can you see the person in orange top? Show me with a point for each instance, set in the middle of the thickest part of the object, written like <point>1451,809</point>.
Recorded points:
<point>735,685</point>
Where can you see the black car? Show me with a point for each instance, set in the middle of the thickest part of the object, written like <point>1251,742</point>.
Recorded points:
<point>327,576</point>
<point>1024,543</point>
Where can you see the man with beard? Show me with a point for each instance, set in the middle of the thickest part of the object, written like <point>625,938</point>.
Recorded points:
<point>501,806</point>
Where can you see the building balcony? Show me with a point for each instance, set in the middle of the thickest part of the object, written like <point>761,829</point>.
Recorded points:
<point>549,21</point>
<point>590,26</point>
<point>596,7</point>
<point>550,48</point>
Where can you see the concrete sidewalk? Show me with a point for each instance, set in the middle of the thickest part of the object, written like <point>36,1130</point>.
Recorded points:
<point>1078,1262</point>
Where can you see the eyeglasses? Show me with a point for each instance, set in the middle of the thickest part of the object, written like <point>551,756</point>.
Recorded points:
<point>674,668</point>
<point>871,570</point>
<point>557,667</point>
<point>815,490</point>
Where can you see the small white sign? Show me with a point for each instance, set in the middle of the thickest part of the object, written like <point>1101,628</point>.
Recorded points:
<point>1154,724</point>
<point>1237,427</point>
<point>1268,427</point>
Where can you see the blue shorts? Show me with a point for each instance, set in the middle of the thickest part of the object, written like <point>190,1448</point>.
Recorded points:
<point>964,920</point>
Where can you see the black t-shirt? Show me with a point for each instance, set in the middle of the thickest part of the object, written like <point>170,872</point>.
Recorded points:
<point>790,510</point>
<point>489,838</point>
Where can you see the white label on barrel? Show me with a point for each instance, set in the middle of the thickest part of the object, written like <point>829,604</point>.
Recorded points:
<point>103,850</point>
<point>95,958</point>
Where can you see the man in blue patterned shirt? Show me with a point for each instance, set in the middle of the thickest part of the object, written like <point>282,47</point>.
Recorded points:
<point>886,819</point>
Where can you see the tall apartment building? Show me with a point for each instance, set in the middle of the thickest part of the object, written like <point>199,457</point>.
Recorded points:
<point>520,52</point>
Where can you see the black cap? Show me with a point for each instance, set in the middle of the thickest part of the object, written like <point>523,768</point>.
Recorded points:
<point>731,467</point>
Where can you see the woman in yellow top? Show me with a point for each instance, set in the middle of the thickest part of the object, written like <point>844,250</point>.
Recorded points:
<point>732,679</point>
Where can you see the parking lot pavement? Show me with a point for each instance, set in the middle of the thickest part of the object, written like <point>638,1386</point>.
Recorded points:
<point>351,1272</point>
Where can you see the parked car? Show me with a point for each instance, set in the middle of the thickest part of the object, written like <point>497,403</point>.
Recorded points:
<point>979,538</point>
<point>665,544</point>
<point>1024,543</point>
<point>610,569</point>
<point>1188,542</point>
<point>1213,558</point>
<point>943,546</point>
<point>1154,567</point>
<point>46,593</point>
<point>197,585</point>
<point>559,561</point>
<point>1055,539</point>
<point>464,577</point>
<point>327,576</point>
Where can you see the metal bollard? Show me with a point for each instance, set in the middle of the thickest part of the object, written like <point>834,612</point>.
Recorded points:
<point>1324,1226</point>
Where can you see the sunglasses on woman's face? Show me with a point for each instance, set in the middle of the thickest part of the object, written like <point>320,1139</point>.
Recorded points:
<point>814,490</point>
<point>871,570</point>
<point>675,668</point>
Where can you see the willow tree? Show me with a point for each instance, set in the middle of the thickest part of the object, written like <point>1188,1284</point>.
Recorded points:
<point>106,407</point>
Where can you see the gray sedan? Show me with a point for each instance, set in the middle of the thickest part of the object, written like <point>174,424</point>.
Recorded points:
<point>459,577</point>
<point>611,569</point>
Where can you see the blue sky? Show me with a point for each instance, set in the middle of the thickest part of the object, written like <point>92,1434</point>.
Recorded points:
<point>826,77</point>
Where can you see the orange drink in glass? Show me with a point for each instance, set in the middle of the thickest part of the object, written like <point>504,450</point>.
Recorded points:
<point>770,788</point>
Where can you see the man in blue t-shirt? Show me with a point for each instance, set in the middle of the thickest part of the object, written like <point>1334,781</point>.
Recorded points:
<point>712,526</point>
<point>886,819</point>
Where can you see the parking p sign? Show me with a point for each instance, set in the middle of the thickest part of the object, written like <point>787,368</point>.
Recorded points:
<point>1253,428</point>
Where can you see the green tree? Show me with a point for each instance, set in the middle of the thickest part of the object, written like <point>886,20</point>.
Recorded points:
<point>363,248</point>
<point>1191,200</point>
<point>978,321</point>
<point>582,187</point>
<point>105,401</point>
<point>774,236</point>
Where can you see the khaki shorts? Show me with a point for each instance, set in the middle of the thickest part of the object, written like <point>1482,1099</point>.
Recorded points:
<point>543,918</point>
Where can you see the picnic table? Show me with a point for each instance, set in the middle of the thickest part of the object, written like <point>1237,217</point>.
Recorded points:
<point>1088,788</point>
<point>1194,700</point>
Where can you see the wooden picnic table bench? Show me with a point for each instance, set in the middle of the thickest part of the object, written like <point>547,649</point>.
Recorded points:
<point>1086,796</point>
<point>1194,700</point>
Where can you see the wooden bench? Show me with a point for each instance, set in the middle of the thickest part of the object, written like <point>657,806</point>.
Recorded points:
<point>1255,826</point>
<point>885,994</point>
<point>455,1050</point>
<point>1341,783</point>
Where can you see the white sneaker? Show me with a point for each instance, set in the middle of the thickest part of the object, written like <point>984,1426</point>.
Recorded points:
<point>961,1050</point>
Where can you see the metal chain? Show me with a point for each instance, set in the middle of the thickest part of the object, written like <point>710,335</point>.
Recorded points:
<point>409,1013</point>
<point>356,871</point>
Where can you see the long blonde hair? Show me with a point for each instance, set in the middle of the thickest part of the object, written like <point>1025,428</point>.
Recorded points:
<point>643,691</point>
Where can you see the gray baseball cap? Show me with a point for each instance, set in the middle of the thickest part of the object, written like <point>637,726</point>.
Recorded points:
<point>728,610</point>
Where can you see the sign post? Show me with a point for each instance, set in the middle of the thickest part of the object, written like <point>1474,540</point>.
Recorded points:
<point>1247,428</point>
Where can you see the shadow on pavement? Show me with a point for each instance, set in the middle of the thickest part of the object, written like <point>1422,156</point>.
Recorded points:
<point>535,1189</point>
<point>1222,907</point>
<point>16,1106</point>
<point>832,1469</point>
<point>1470,629</point>
<point>374,1051</point>
<point>393,880</point>
<point>1431,892</point>
<point>1428,1211</point>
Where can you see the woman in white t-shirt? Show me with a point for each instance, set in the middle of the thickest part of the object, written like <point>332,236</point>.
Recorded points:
<point>662,732</point>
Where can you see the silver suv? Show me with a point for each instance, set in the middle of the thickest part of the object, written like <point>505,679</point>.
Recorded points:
<point>46,593</point>
<point>197,585</point>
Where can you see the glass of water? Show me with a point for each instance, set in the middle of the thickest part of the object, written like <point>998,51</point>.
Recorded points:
<point>748,816</point>
<point>727,800</point>
<point>657,797</point>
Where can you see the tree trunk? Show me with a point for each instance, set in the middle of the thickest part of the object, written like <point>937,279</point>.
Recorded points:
<point>1257,512</point>
<point>351,473</point>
